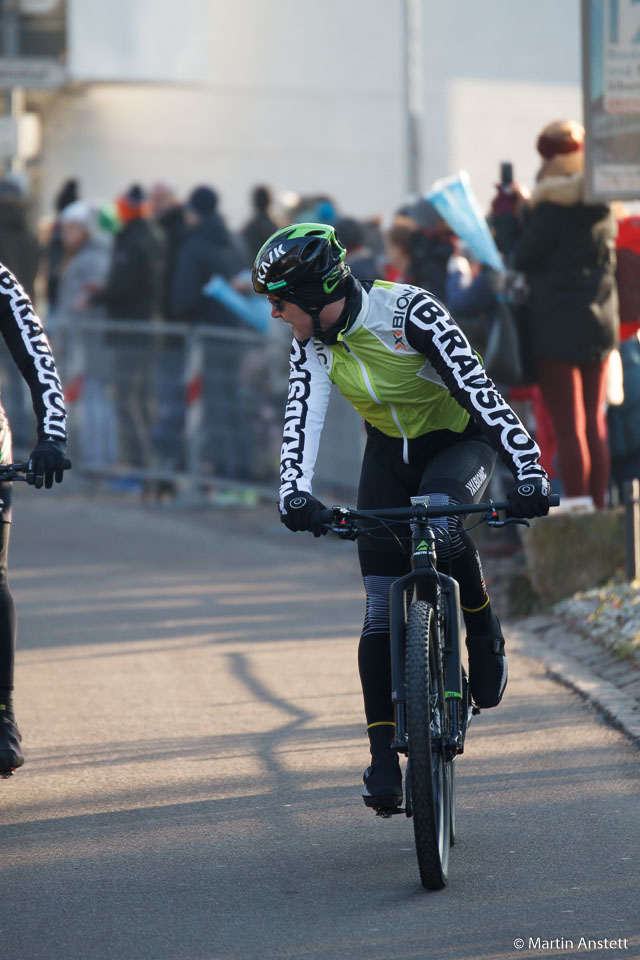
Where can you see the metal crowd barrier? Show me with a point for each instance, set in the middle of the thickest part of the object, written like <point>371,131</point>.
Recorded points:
<point>196,407</point>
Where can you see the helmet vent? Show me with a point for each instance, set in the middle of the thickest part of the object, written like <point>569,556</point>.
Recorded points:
<point>309,251</point>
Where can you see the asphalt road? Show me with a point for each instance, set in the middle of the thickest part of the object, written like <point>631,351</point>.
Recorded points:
<point>188,693</point>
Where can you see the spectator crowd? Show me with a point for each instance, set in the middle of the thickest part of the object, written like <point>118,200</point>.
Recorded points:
<point>105,275</point>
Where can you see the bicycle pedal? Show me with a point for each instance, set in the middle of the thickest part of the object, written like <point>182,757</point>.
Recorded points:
<point>5,774</point>
<point>386,812</point>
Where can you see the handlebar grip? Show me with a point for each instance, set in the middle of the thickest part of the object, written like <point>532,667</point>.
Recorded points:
<point>554,500</point>
<point>325,515</point>
<point>67,464</point>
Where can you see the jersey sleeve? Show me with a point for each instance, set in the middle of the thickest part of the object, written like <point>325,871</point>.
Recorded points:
<point>31,352</point>
<point>430,329</point>
<point>307,399</point>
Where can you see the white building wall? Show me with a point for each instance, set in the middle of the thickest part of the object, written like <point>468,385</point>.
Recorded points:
<point>495,72</point>
<point>306,96</point>
<point>141,40</point>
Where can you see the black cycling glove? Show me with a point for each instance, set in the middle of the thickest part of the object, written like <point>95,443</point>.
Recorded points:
<point>301,511</point>
<point>47,462</point>
<point>529,498</point>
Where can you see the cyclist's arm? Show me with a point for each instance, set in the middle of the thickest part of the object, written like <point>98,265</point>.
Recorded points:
<point>307,399</point>
<point>29,347</point>
<point>430,329</point>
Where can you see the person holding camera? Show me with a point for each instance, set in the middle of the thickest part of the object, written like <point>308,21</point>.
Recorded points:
<point>566,249</point>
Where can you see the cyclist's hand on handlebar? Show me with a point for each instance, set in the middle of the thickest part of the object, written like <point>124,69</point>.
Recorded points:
<point>47,462</point>
<point>301,511</point>
<point>529,498</point>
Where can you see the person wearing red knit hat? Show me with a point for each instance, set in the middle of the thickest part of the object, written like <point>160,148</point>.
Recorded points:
<point>567,252</point>
<point>561,146</point>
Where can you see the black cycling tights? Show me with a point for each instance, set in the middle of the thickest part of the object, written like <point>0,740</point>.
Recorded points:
<point>7,619</point>
<point>448,477</point>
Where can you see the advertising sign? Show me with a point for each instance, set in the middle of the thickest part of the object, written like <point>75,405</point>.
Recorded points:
<point>611,60</point>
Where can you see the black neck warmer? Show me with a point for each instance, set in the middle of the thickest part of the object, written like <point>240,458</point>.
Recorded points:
<point>351,309</point>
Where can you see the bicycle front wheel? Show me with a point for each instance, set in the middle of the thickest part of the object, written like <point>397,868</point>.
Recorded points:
<point>426,718</point>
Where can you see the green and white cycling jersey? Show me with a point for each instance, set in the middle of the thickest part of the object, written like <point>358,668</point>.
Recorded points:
<point>408,369</point>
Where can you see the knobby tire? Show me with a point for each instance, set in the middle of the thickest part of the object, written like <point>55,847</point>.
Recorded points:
<point>451,786</point>
<point>429,779</point>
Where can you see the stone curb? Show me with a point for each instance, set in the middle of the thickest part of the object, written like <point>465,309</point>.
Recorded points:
<point>615,705</point>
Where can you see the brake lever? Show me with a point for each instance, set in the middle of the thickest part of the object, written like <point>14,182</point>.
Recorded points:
<point>503,523</point>
<point>344,532</point>
<point>342,524</point>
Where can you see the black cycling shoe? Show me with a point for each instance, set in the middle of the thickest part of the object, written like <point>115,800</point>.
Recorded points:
<point>487,666</point>
<point>11,755</point>
<point>383,785</point>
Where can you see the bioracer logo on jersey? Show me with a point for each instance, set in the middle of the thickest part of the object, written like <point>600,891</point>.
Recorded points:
<point>397,324</point>
<point>398,343</point>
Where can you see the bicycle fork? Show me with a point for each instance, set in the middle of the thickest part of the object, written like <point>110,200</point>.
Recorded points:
<point>442,592</point>
<point>455,691</point>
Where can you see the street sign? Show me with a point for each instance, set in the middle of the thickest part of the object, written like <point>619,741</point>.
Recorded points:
<point>33,73</point>
<point>611,84</point>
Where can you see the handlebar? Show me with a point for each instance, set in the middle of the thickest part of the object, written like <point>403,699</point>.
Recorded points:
<point>420,511</point>
<point>344,522</point>
<point>15,471</point>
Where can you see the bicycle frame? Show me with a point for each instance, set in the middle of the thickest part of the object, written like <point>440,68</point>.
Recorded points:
<point>443,593</point>
<point>438,589</point>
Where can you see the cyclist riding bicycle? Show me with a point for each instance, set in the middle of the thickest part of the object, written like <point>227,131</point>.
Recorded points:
<point>434,422</point>
<point>30,350</point>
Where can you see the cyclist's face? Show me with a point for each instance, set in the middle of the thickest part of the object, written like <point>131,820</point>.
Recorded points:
<point>299,321</point>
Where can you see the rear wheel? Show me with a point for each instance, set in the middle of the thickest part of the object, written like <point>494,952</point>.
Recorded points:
<point>428,773</point>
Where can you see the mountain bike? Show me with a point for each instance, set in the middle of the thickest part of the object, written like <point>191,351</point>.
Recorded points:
<point>430,690</point>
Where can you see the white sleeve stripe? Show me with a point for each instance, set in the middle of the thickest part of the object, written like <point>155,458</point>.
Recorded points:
<point>34,340</point>
<point>307,399</point>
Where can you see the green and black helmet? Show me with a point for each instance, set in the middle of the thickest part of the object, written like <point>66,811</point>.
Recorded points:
<point>303,263</point>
